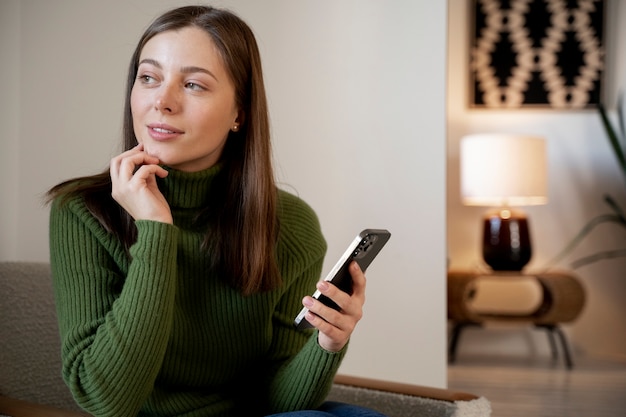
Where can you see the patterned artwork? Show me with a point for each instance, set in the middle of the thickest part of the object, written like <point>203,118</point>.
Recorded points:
<point>537,53</point>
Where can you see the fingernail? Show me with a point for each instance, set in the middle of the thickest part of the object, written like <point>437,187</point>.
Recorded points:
<point>308,302</point>
<point>322,285</point>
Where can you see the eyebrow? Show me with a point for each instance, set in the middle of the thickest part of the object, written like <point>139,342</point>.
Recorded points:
<point>185,70</point>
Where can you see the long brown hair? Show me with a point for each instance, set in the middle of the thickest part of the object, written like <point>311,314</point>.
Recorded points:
<point>245,228</point>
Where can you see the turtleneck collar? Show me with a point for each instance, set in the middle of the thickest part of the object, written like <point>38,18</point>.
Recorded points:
<point>187,189</point>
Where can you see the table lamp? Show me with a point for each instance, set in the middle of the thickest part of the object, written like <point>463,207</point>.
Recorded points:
<point>502,171</point>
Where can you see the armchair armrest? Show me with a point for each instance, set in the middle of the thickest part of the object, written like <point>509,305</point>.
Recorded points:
<point>20,408</point>
<point>396,399</point>
<point>406,389</point>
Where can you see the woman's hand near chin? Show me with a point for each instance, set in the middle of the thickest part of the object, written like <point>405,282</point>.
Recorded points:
<point>133,175</point>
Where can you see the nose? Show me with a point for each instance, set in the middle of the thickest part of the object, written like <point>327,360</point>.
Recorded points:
<point>166,100</point>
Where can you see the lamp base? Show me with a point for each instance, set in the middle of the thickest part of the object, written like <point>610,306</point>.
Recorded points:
<point>506,240</point>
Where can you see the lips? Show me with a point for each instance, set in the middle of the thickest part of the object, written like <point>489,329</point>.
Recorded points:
<point>160,131</point>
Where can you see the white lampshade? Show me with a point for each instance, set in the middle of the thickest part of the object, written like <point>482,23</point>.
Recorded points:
<point>503,170</point>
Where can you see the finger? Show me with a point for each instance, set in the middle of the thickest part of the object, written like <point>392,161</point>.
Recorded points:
<point>331,336</point>
<point>327,328</point>
<point>357,299</point>
<point>338,296</point>
<point>148,172</point>
<point>325,314</point>
<point>122,155</point>
<point>359,281</point>
<point>116,161</point>
<point>349,304</point>
<point>128,164</point>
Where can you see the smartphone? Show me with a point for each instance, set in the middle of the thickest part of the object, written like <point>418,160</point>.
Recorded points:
<point>363,249</point>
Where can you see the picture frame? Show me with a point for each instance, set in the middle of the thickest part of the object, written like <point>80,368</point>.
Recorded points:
<point>536,54</point>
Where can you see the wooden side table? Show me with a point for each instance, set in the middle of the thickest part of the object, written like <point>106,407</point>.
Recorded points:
<point>563,298</point>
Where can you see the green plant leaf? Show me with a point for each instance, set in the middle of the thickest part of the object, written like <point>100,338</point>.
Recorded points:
<point>587,228</point>
<point>613,138</point>
<point>620,118</point>
<point>621,218</point>
<point>618,253</point>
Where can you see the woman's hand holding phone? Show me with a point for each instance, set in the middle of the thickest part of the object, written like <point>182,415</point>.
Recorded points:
<point>134,186</point>
<point>336,326</point>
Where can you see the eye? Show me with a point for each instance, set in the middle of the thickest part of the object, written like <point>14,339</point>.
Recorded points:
<point>146,79</point>
<point>194,86</point>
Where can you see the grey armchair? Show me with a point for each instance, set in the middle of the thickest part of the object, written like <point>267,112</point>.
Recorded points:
<point>30,364</point>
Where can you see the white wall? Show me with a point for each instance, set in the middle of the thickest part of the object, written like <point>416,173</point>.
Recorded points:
<point>581,169</point>
<point>358,117</point>
<point>9,120</point>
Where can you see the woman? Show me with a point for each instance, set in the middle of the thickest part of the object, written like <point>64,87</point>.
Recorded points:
<point>179,270</point>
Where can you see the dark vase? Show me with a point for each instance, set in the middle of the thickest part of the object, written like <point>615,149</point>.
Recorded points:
<point>506,242</point>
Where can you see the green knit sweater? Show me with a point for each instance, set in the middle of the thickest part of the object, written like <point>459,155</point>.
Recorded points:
<point>161,334</point>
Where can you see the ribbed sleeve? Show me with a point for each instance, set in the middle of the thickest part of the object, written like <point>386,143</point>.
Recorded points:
<point>305,381</point>
<point>306,370</point>
<point>115,328</point>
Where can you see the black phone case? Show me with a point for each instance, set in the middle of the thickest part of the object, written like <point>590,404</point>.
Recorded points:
<point>363,250</point>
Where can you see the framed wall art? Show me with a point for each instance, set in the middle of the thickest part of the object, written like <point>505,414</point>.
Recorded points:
<point>536,53</point>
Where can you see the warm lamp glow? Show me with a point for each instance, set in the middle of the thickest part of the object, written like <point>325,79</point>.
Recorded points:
<point>503,170</point>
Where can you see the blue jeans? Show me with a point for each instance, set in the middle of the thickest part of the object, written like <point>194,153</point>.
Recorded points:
<point>333,409</point>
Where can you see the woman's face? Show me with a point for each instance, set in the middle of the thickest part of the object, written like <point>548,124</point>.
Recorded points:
<point>183,101</point>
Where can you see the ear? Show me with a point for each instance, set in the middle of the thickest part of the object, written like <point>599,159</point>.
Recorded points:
<point>241,118</point>
<point>238,122</point>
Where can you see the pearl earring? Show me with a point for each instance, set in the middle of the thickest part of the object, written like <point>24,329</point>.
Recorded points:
<point>236,128</point>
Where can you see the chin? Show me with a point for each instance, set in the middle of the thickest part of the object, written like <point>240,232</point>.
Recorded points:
<point>153,150</point>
